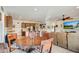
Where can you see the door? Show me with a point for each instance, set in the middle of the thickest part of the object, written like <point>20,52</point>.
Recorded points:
<point>62,40</point>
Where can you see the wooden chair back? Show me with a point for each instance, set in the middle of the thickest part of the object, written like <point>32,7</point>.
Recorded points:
<point>45,36</point>
<point>10,38</point>
<point>46,45</point>
<point>37,41</point>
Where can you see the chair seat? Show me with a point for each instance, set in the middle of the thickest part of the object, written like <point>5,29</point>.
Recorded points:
<point>37,49</point>
<point>45,47</point>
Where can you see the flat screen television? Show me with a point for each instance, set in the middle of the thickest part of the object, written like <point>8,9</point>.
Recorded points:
<point>71,24</point>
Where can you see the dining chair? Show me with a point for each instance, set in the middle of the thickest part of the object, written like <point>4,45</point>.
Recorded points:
<point>45,36</point>
<point>11,38</point>
<point>46,46</point>
<point>37,41</point>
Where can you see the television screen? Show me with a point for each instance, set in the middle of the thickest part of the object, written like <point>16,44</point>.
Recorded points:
<point>71,25</point>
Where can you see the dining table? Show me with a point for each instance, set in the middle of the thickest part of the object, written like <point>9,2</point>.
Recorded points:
<point>28,44</point>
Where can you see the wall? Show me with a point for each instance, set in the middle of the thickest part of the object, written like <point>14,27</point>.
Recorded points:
<point>17,24</point>
<point>52,25</point>
<point>17,28</point>
<point>2,38</point>
<point>60,26</point>
<point>49,26</point>
<point>0,31</point>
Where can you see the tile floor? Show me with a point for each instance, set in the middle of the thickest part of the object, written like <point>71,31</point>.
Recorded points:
<point>55,49</point>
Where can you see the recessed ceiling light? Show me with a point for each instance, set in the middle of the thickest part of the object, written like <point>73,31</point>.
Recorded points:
<point>35,9</point>
<point>77,7</point>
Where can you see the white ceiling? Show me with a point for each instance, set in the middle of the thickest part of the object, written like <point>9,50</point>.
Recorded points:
<point>41,13</point>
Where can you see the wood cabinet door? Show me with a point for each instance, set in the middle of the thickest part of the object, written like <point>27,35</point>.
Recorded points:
<point>8,21</point>
<point>53,35</point>
<point>62,40</point>
<point>73,42</point>
<point>23,25</point>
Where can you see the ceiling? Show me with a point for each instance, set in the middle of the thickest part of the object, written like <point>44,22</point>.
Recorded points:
<point>41,13</point>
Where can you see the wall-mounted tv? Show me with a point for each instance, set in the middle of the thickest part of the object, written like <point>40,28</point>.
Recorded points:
<point>71,24</point>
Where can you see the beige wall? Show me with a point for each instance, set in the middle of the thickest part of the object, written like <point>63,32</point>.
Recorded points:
<point>54,23</point>
<point>60,25</point>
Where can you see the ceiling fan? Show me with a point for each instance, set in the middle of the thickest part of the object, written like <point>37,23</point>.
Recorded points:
<point>65,18</point>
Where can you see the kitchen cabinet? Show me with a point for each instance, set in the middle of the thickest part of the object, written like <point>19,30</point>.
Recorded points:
<point>73,41</point>
<point>53,35</point>
<point>24,25</point>
<point>61,39</point>
<point>8,21</point>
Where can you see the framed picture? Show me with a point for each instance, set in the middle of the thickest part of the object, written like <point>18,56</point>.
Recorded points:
<point>71,25</point>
